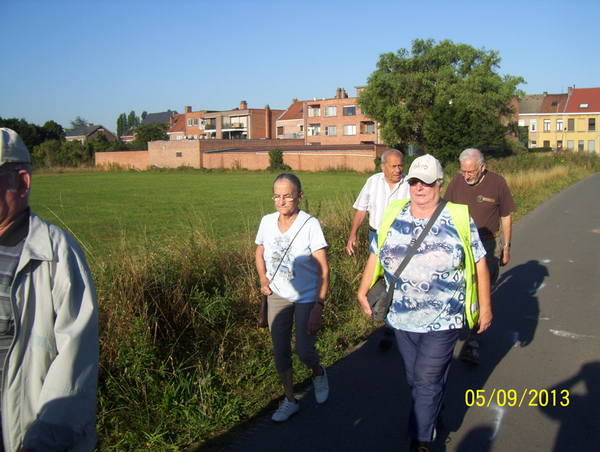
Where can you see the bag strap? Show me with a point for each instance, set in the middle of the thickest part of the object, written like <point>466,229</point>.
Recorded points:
<point>289,246</point>
<point>417,243</point>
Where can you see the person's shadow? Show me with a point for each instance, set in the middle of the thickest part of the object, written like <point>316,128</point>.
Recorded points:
<point>515,309</point>
<point>576,404</point>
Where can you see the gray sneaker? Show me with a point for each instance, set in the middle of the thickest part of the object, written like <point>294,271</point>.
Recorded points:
<point>285,410</point>
<point>321,386</point>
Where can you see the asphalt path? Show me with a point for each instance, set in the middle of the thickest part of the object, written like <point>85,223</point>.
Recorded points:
<point>539,376</point>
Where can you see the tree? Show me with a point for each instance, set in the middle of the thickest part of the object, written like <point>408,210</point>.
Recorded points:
<point>121,125</point>
<point>144,114</point>
<point>276,161</point>
<point>441,97</point>
<point>78,122</point>
<point>150,132</point>
<point>132,120</point>
<point>53,131</point>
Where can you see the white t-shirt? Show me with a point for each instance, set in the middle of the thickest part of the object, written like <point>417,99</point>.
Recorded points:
<point>376,195</point>
<point>297,278</point>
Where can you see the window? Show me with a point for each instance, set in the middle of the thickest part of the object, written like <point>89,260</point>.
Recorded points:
<point>521,123</point>
<point>350,110</point>
<point>592,124</point>
<point>350,130</point>
<point>571,125</point>
<point>179,154</point>
<point>534,144</point>
<point>196,121</point>
<point>570,144</point>
<point>371,128</point>
<point>546,125</point>
<point>314,111</point>
<point>559,125</point>
<point>313,130</point>
<point>330,131</point>
<point>559,144</point>
<point>580,145</point>
<point>533,125</point>
<point>591,146</point>
<point>330,111</point>
<point>584,105</point>
<point>546,143</point>
<point>189,123</point>
<point>279,131</point>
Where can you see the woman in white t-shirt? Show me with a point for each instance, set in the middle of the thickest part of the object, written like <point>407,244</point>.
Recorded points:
<point>292,265</point>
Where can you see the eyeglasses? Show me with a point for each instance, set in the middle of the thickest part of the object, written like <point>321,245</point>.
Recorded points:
<point>286,198</point>
<point>412,182</point>
<point>469,173</point>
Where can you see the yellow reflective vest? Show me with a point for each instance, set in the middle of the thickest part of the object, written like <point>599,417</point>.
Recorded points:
<point>462,222</point>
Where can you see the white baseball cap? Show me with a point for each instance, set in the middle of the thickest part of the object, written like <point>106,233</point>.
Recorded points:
<point>426,168</point>
<point>12,148</point>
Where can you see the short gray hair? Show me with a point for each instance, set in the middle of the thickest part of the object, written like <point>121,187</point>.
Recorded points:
<point>391,151</point>
<point>292,179</point>
<point>472,154</point>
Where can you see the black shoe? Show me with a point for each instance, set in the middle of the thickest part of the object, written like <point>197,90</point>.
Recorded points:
<point>387,339</point>
<point>470,354</point>
<point>418,446</point>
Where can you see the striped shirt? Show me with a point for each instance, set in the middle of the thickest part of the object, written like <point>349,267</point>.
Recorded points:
<point>11,246</point>
<point>376,195</point>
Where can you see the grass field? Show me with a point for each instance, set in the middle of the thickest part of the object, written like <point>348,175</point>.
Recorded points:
<point>102,209</point>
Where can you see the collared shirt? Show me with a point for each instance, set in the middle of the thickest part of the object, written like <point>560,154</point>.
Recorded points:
<point>376,195</point>
<point>11,245</point>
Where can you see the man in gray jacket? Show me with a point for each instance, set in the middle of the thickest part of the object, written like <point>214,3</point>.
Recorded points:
<point>48,322</point>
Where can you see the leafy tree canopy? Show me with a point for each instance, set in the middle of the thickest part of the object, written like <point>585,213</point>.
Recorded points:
<point>150,132</point>
<point>32,134</point>
<point>78,122</point>
<point>443,97</point>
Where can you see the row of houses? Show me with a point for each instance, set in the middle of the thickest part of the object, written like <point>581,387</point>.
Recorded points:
<point>563,121</point>
<point>242,136</point>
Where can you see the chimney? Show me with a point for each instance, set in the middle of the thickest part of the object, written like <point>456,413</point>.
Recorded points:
<point>570,90</point>
<point>267,122</point>
<point>188,109</point>
<point>338,93</point>
<point>545,93</point>
<point>243,105</point>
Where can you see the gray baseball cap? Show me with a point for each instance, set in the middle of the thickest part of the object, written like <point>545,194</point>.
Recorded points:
<point>12,148</point>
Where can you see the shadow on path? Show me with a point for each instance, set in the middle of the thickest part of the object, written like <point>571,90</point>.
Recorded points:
<point>516,311</point>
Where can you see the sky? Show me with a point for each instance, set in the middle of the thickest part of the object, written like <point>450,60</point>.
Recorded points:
<point>99,58</point>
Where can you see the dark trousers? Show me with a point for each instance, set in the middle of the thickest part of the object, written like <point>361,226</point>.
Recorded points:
<point>426,358</point>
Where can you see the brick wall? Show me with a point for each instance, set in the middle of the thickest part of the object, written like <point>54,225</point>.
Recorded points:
<point>253,156</point>
<point>173,154</point>
<point>133,159</point>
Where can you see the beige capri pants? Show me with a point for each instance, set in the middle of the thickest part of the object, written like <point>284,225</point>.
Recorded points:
<point>282,316</point>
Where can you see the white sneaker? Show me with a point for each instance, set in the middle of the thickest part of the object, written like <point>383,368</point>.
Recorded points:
<point>321,386</point>
<point>285,410</point>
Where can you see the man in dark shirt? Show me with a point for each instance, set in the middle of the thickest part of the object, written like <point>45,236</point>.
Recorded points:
<point>490,205</point>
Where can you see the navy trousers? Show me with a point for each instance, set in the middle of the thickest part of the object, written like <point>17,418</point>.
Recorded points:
<point>426,358</point>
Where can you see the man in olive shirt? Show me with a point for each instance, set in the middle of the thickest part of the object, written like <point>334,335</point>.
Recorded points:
<point>490,205</point>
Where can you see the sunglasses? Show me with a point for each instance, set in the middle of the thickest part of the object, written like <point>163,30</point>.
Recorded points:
<point>412,182</point>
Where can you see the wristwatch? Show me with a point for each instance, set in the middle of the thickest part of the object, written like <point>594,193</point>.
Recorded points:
<point>507,244</point>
